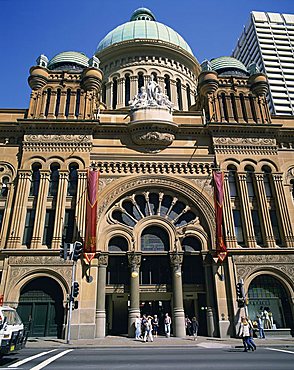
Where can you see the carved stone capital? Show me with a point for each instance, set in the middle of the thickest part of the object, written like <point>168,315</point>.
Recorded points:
<point>134,260</point>
<point>103,259</point>
<point>176,259</point>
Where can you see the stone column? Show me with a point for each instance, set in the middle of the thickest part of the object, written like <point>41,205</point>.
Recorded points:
<point>60,209</point>
<point>267,225</point>
<point>230,108</point>
<point>72,104</point>
<point>281,206</point>
<point>81,199</point>
<point>109,94</point>
<point>184,97</point>
<point>100,306</point>
<point>133,86</point>
<point>120,93</point>
<point>52,104</point>
<point>160,81</point>
<point>209,289</point>
<point>20,209</point>
<point>7,213</point>
<point>63,95</point>
<point>134,310</point>
<point>40,209</point>
<point>228,216</point>
<point>249,230</point>
<point>174,95</point>
<point>178,306</point>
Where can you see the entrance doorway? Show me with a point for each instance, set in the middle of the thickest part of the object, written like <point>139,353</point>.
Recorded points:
<point>41,309</point>
<point>159,308</point>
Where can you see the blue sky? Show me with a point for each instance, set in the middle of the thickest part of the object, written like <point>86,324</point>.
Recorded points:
<point>29,28</point>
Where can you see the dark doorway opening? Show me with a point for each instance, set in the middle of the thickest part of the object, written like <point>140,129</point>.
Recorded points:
<point>41,309</point>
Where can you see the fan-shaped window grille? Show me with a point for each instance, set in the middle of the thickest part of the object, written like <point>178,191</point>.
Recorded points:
<point>133,208</point>
<point>154,239</point>
<point>118,244</point>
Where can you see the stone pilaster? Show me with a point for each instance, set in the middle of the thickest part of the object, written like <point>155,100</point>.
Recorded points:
<point>20,209</point>
<point>209,289</point>
<point>248,225</point>
<point>174,95</point>
<point>133,86</point>
<point>109,94</point>
<point>230,237</point>
<point>40,210</point>
<point>61,113</point>
<point>60,209</point>
<point>267,225</point>
<point>7,213</point>
<point>134,260</point>
<point>80,212</point>
<point>281,206</point>
<point>52,104</point>
<point>178,306</point>
<point>120,92</point>
<point>72,104</point>
<point>100,306</point>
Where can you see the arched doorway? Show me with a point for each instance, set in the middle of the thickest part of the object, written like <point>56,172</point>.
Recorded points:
<point>267,293</point>
<point>41,309</point>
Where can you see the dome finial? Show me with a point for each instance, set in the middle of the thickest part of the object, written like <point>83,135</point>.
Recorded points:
<point>142,14</point>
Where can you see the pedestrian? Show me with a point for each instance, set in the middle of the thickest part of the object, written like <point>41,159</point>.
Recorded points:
<point>195,326</point>
<point>244,333</point>
<point>155,325</point>
<point>148,330</point>
<point>137,327</point>
<point>188,325</point>
<point>167,325</point>
<point>260,327</point>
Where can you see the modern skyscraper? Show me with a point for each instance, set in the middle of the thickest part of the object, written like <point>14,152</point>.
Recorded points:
<point>268,40</point>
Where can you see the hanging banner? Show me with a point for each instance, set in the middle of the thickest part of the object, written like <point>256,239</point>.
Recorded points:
<point>221,249</point>
<point>91,215</point>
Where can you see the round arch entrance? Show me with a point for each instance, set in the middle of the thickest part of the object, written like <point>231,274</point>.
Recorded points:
<point>268,298</point>
<point>41,307</point>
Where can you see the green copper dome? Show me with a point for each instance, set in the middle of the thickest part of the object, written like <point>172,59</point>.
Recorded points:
<point>227,65</point>
<point>69,59</point>
<point>143,26</point>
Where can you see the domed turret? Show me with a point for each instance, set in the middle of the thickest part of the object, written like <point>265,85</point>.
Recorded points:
<point>68,60</point>
<point>228,66</point>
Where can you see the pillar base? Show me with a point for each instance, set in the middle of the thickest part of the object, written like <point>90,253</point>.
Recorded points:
<point>133,313</point>
<point>224,328</point>
<point>179,322</point>
<point>210,322</point>
<point>100,323</point>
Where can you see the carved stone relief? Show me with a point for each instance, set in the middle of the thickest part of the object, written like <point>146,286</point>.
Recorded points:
<point>245,144</point>
<point>248,264</point>
<point>52,142</point>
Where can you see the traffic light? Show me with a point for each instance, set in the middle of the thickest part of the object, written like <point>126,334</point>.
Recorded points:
<point>63,251</point>
<point>75,305</point>
<point>239,288</point>
<point>78,250</point>
<point>75,289</point>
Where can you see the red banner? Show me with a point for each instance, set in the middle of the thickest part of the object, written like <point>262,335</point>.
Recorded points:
<point>218,201</point>
<point>91,215</point>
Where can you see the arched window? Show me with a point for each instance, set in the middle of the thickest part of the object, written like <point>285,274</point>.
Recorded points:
<point>35,182</point>
<point>167,86</point>
<point>266,180</point>
<point>232,181</point>
<point>114,93</point>
<point>127,89</point>
<point>249,181</point>
<point>67,103</point>
<point>252,106</point>
<point>243,107</point>
<point>224,106</point>
<point>140,80</point>
<point>58,96</point>
<point>78,101</point>
<point>4,187</point>
<point>191,244</point>
<point>188,92</point>
<point>234,107</point>
<point>118,244</point>
<point>47,102</point>
<point>72,179</point>
<point>179,94</point>
<point>266,293</point>
<point>154,238</point>
<point>54,179</point>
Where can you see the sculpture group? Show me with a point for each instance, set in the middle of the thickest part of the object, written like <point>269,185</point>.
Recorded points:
<point>152,96</point>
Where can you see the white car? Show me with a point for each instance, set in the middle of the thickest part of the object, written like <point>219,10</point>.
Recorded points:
<point>12,336</point>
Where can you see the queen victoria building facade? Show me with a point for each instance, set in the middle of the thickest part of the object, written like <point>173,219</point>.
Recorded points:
<point>156,125</point>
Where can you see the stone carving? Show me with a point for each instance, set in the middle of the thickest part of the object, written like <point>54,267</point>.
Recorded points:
<point>204,184</point>
<point>242,141</point>
<point>103,259</point>
<point>248,145</point>
<point>176,259</point>
<point>181,168</point>
<point>154,138</point>
<point>35,142</point>
<point>151,97</point>
<point>206,66</point>
<point>37,260</point>
<point>246,265</point>
<point>57,138</point>
<point>134,260</point>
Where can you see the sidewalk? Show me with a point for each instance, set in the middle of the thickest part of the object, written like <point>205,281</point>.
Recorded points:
<point>119,341</point>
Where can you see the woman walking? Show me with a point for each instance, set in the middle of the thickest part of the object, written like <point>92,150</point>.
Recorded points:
<point>244,333</point>
<point>195,326</point>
